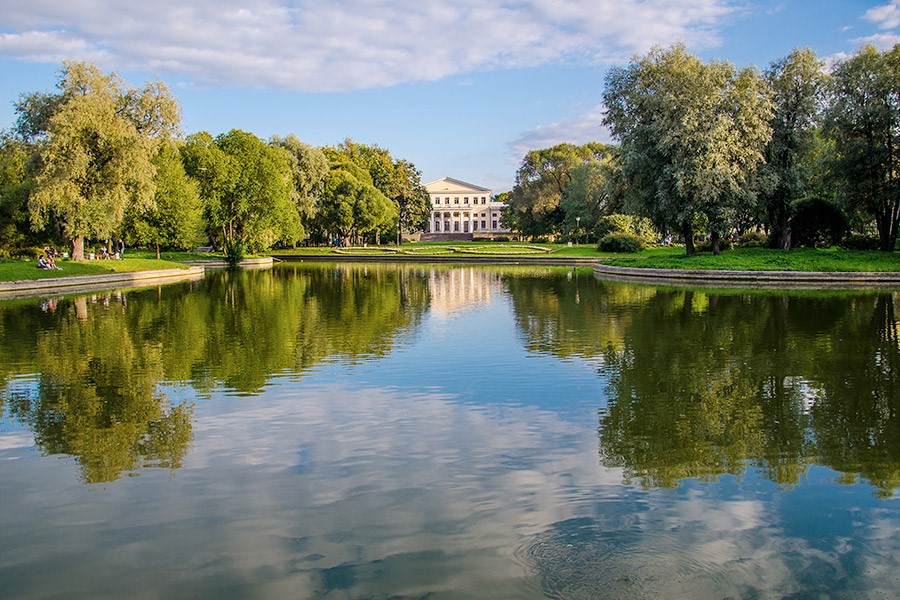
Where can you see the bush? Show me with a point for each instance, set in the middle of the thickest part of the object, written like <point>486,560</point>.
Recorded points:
<point>620,242</point>
<point>617,223</point>
<point>753,239</point>
<point>706,245</point>
<point>817,222</point>
<point>234,253</point>
<point>861,242</point>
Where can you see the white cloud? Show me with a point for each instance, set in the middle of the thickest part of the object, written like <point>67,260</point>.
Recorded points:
<point>882,41</point>
<point>353,44</point>
<point>580,130</point>
<point>886,16</point>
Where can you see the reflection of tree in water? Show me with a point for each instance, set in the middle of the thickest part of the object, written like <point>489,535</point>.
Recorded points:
<point>736,384</point>
<point>96,396</point>
<point>704,384</point>
<point>99,361</point>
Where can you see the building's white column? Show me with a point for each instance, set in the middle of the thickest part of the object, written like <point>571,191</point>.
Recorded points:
<point>431,222</point>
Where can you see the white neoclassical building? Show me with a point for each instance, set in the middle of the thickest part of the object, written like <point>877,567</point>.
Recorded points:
<point>458,207</point>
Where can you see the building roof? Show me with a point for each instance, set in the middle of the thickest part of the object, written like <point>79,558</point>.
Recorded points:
<point>448,184</point>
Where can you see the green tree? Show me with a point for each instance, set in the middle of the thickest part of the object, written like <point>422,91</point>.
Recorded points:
<point>309,167</point>
<point>541,182</point>
<point>692,135</point>
<point>176,218</point>
<point>863,119</point>
<point>16,182</point>
<point>797,82</point>
<point>95,160</point>
<point>248,190</point>
<point>595,189</point>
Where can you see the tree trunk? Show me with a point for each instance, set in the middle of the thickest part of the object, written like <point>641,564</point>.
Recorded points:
<point>157,252</point>
<point>688,233</point>
<point>78,248</point>
<point>716,248</point>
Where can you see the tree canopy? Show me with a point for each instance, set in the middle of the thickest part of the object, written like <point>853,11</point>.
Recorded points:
<point>692,135</point>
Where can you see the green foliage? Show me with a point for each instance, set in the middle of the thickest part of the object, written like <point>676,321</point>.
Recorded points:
<point>753,239</point>
<point>797,82</point>
<point>176,218</point>
<point>247,187</point>
<point>100,137</point>
<point>692,135</point>
<point>541,182</point>
<point>860,242</point>
<point>640,227</point>
<point>620,242</point>
<point>863,120</point>
<point>234,252</point>
<point>816,222</point>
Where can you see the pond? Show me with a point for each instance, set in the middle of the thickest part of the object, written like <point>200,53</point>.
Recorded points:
<point>421,431</point>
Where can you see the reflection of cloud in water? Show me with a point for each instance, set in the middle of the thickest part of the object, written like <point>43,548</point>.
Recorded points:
<point>333,492</point>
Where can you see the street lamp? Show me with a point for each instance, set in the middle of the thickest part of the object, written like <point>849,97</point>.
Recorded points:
<point>577,227</point>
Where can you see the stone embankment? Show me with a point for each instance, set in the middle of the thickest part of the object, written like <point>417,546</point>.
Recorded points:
<point>751,279</point>
<point>87,283</point>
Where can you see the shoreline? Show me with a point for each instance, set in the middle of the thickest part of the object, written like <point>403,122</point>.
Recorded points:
<point>751,279</point>
<point>25,288</point>
<point>787,280</point>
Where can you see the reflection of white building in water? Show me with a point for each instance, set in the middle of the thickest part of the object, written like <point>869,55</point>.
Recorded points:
<point>459,208</point>
<point>461,289</point>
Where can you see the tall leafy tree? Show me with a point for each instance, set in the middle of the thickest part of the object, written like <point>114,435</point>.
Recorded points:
<point>797,82</point>
<point>16,182</point>
<point>541,181</point>
<point>863,118</point>
<point>176,217</point>
<point>246,186</point>
<point>309,167</point>
<point>594,190</point>
<point>397,179</point>
<point>692,135</point>
<point>98,137</point>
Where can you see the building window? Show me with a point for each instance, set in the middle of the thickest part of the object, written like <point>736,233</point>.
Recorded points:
<point>455,200</point>
<point>466,200</point>
<point>493,224</point>
<point>484,224</point>
<point>474,225</point>
<point>482,201</point>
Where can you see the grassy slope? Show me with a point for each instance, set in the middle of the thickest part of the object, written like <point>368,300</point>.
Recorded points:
<point>16,270</point>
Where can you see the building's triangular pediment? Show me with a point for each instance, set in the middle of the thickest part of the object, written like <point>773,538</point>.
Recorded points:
<point>448,185</point>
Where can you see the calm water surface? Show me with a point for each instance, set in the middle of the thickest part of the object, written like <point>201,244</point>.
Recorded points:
<point>349,431</point>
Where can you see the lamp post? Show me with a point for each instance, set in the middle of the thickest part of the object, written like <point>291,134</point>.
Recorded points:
<point>577,228</point>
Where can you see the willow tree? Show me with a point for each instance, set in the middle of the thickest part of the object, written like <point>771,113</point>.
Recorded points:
<point>97,137</point>
<point>691,134</point>
<point>863,119</point>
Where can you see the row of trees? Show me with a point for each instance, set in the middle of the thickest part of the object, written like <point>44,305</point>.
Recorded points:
<point>706,148</point>
<point>99,159</point>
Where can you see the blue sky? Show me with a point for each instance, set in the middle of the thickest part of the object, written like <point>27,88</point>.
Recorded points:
<point>460,88</point>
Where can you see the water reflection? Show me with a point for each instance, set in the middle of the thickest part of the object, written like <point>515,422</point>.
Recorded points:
<point>358,432</point>
<point>703,384</point>
<point>83,373</point>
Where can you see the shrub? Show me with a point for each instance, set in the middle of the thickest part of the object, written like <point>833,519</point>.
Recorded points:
<point>618,223</point>
<point>234,252</point>
<point>620,242</point>
<point>861,242</point>
<point>753,239</point>
<point>706,245</point>
<point>817,222</point>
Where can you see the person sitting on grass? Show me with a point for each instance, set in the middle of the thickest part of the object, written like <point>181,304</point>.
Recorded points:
<point>42,263</point>
<point>51,263</point>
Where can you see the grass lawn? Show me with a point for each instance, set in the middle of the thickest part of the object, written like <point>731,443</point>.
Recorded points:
<point>668,257</point>
<point>17,270</point>
<point>460,248</point>
<point>762,259</point>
